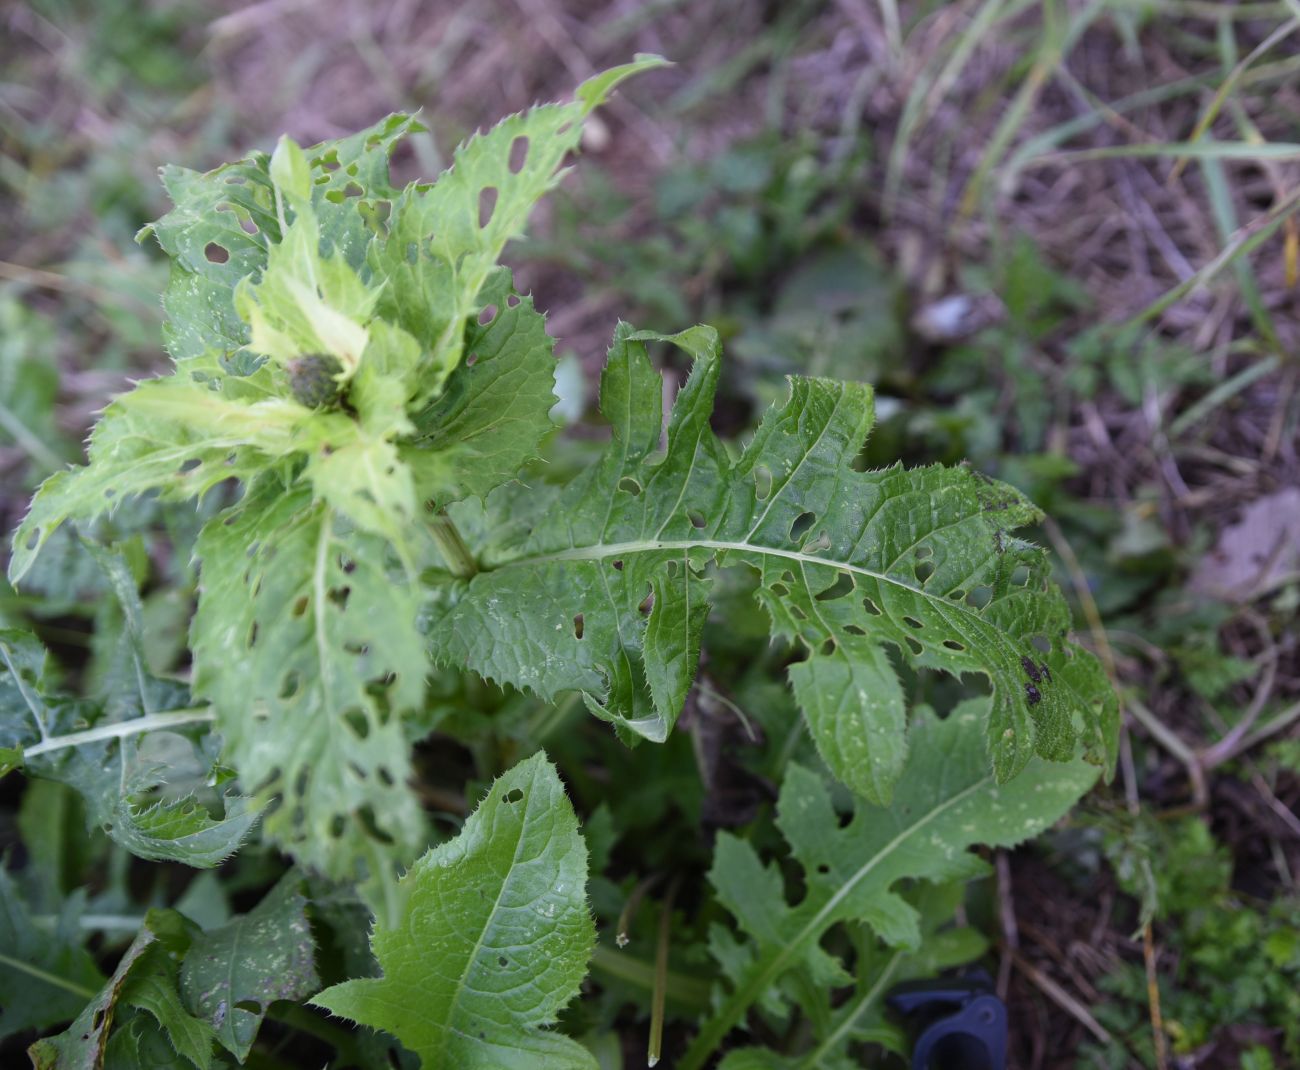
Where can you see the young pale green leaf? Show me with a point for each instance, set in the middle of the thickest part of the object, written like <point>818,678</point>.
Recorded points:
<point>946,803</point>
<point>46,975</point>
<point>265,955</point>
<point>599,585</point>
<point>444,240</point>
<point>491,418</point>
<point>225,221</point>
<point>305,641</point>
<point>493,938</point>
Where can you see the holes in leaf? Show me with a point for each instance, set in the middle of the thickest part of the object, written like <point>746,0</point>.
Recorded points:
<point>780,590</point>
<point>957,595</point>
<point>578,625</point>
<point>290,684</point>
<point>798,613</point>
<point>503,962</point>
<point>817,545</point>
<point>367,818</point>
<point>358,722</point>
<point>512,301</point>
<point>800,526</point>
<point>979,597</point>
<point>647,603</point>
<point>518,154</point>
<point>916,648</point>
<point>248,226</point>
<point>35,537</point>
<point>843,585</point>
<point>1020,576</point>
<point>924,570</point>
<point>629,485</point>
<point>922,552</point>
<point>696,518</point>
<point>828,647</point>
<point>189,466</point>
<point>823,869</point>
<point>340,595</point>
<point>912,622</point>
<point>487,203</point>
<point>952,644</point>
<point>618,565</point>
<point>358,649</point>
<point>385,777</point>
<point>672,569</point>
<point>871,607</point>
<point>252,634</point>
<point>488,314</point>
<point>853,629</point>
<point>762,482</point>
<point>514,795</point>
<point>216,254</point>
<point>1042,644</point>
<point>300,606</point>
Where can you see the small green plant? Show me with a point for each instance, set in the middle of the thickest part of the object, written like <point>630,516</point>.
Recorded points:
<point>360,402</point>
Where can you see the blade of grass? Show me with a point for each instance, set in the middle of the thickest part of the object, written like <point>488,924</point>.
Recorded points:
<point>1202,150</point>
<point>1058,42</point>
<point>1230,83</point>
<point>1224,392</point>
<point>930,87</point>
<point>1247,238</point>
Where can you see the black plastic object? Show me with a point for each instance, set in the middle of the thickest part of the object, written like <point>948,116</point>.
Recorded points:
<point>958,1024</point>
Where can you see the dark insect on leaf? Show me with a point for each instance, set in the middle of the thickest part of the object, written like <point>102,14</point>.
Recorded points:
<point>1031,670</point>
<point>312,379</point>
<point>1032,694</point>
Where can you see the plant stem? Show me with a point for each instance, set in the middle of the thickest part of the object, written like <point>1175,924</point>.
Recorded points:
<point>460,562</point>
<point>148,723</point>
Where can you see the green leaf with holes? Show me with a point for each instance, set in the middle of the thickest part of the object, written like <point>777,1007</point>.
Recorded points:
<point>305,642</point>
<point>602,585</point>
<point>947,802</point>
<point>492,939</point>
<point>139,754</point>
<point>318,317</point>
<point>230,976</point>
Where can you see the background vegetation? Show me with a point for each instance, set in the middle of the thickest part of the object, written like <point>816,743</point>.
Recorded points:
<point>1057,236</point>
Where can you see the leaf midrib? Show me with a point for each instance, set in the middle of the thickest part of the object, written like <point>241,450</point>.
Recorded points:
<point>601,551</point>
<point>724,1021</point>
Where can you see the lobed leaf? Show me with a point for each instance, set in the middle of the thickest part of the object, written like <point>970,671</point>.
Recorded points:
<point>945,804</point>
<point>600,585</point>
<point>230,976</point>
<point>110,749</point>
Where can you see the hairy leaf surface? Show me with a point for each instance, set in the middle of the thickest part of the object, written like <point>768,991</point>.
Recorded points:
<point>493,938</point>
<point>947,802</point>
<point>600,586</point>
